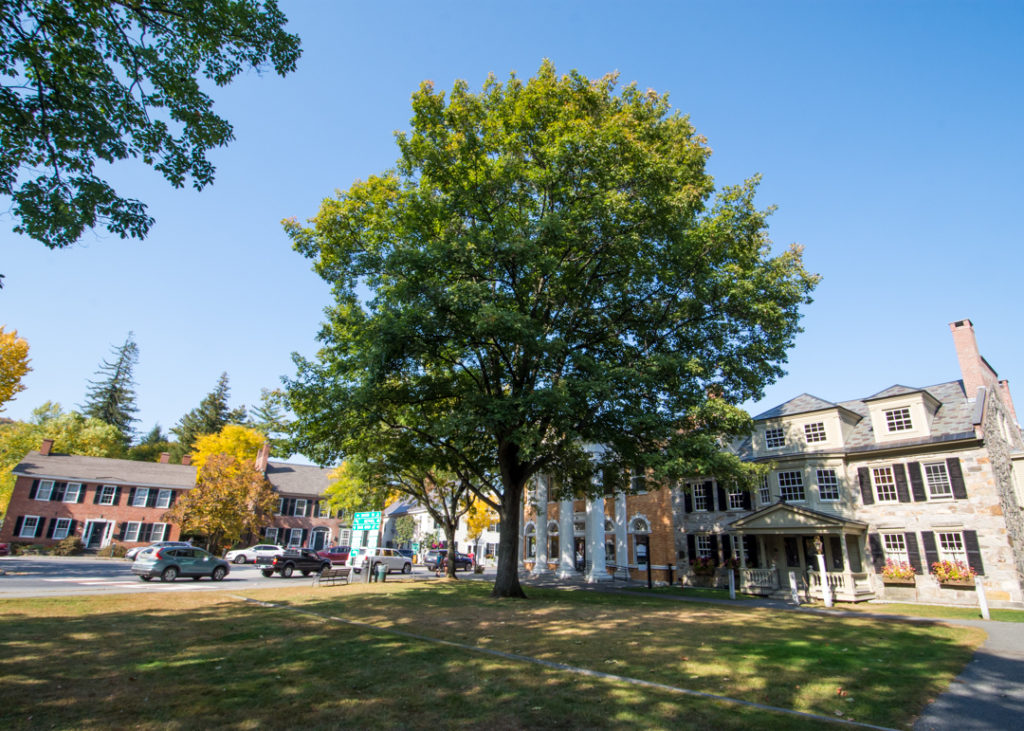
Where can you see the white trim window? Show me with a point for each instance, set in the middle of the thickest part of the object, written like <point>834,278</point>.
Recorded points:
<point>271,535</point>
<point>131,531</point>
<point>295,538</point>
<point>61,528</point>
<point>280,506</point>
<point>163,498</point>
<point>159,532</point>
<point>774,437</point>
<point>828,486</point>
<point>951,547</point>
<point>107,493</point>
<point>71,493</point>
<point>735,499</point>
<point>898,419</point>
<point>885,484</point>
<point>765,493</point>
<point>700,496</point>
<point>29,526</point>
<point>300,508</point>
<point>895,546</point>
<point>45,490</point>
<point>815,432</point>
<point>791,486</point>
<point>703,546</point>
<point>937,477</point>
<point>140,498</point>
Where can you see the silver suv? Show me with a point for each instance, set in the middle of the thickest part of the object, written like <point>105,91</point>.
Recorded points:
<point>362,557</point>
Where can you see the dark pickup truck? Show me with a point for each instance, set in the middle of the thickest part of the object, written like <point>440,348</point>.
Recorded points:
<point>286,564</point>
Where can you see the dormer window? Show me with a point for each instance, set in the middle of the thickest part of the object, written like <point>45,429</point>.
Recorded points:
<point>815,432</point>
<point>898,419</point>
<point>774,437</point>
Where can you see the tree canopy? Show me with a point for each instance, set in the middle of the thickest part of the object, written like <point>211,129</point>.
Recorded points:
<point>91,82</point>
<point>111,398</point>
<point>234,440</point>
<point>212,414</point>
<point>13,365</point>
<point>269,417</point>
<point>549,268</point>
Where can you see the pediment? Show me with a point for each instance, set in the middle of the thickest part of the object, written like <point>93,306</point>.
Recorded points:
<point>784,518</point>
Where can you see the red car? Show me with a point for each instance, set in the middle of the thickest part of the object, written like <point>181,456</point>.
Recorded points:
<point>4,549</point>
<point>337,554</point>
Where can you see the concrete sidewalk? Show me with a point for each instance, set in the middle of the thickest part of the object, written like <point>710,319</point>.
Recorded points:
<point>988,695</point>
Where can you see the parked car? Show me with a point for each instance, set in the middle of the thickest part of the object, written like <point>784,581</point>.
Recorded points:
<point>171,562</point>
<point>133,553</point>
<point>336,554</point>
<point>360,558</point>
<point>407,552</point>
<point>305,560</point>
<point>4,549</point>
<point>245,555</point>
<point>433,559</point>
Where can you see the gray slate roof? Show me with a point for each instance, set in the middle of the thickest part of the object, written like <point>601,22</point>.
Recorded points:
<point>298,479</point>
<point>106,470</point>
<point>802,404</point>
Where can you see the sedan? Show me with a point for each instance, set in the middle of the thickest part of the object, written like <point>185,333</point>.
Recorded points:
<point>245,555</point>
<point>433,560</point>
<point>170,563</point>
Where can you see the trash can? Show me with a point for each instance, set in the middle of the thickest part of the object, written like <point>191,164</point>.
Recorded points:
<point>382,572</point>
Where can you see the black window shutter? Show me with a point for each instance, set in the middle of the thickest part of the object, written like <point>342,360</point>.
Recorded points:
<point>714,548</point>
<point>727,546</point>
<point>877,555</point>
<point>117,496</point>
<point>687,501</point>
<point>691,544</point>
<point>913,554</point>
<point>81,492</point>
<point>71,527</point>
<point>151,497</point>
<point>973,551</point>
<point>263,532</point>
<point>131,496</point>
<point>916,482</point>
<point>32,490</point>
<point>174,496</point>
<point>49,531</point>
<point>59,488</point>
<point>304,534</point>
<point>722,504</point>
<point>931,553</point>
<point>124,527</point>
<point>18,522</point>
<point>39,527</point>
<point>96,495</point>
<point>956,477</point>
<point>746,500</point>
<point>866,493</point>
<point>751,542</point>
<point>900,473</point>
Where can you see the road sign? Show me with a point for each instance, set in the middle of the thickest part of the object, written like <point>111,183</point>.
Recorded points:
<point>369,520</point>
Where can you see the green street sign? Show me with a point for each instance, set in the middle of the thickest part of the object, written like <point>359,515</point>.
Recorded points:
<point>369,520</point>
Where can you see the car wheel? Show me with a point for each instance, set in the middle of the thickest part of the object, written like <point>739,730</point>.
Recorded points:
<point>240,559</point>
<point>407,568</point>
<point>287,571</point>
<point>219,573</point>
<point>145,578</point>
<point>170,574</point>
<point>267,572</point>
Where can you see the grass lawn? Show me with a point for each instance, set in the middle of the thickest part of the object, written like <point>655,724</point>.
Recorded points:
<point>695,592</point>
<point>190,659</point>
<point>932,611</point>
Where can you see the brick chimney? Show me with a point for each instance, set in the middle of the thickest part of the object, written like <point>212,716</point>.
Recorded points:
<point>186,459</point>
<point>263,457</point>
<point>165,457</point>
<point>45,447</point>
<point>974,369</point>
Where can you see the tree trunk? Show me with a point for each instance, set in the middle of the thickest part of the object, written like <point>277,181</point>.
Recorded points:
<point>506,582</point>
<point>449,534</point>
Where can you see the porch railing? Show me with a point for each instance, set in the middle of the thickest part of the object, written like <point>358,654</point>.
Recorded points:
<point>763,579</point>
<point>837,582</point>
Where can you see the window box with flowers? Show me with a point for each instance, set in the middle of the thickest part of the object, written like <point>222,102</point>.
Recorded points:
<point>953,573</point>
<point>703,566</point>
<point>898,572</point>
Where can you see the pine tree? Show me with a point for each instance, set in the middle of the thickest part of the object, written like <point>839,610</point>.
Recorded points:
<point>209,417</point>
<point>269,418</point>
<point>111,398</point>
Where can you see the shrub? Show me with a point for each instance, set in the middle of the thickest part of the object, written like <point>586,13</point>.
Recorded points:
<point>113,550</point>
<point>70,546</point>
<point>27,549</point>
<point>901,571</point>
<point>955,571</point>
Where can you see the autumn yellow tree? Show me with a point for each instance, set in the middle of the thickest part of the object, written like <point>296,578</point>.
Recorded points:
<point>13,364</point>
<point>236,441</point>
<point>479,517</point>
<point>231,499</point>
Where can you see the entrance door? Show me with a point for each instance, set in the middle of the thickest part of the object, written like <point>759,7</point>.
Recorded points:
<point>641,551</point>
<point>95,532</point>
<point>319,539</point>
<point>580,552</point>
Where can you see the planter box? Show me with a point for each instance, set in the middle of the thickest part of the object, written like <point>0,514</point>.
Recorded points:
<point>957,584</point>
<point>899,582</point>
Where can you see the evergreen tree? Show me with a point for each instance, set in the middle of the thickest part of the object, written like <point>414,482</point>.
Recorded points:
<point>212,414</point>
<point>151,446</point>
<point>111,398</point>
<point>269,418</point>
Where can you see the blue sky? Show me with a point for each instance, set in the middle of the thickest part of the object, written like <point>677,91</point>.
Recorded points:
<point>888,136</point>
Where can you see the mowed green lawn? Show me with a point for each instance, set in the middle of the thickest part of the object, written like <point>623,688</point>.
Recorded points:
<point>204,659</point>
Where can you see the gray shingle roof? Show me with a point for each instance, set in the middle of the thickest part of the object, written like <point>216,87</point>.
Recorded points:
<point>106,470</point>
<point>894,390</point>
<point>298,479</point>
<point>802,404</point>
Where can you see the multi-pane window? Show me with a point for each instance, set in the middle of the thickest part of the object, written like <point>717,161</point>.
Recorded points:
<point>61,528</point>
<point>159,532</point>
<point>885,484</point>
<point>828,485</point>
<point>938,480</point>
<point>163,499</point>
<point>131,531</point>
<point>791,485</point>
<point>45,490</point>
<point>765,493</point>
<point>271,535</point>
<point>29,526</point>
<point>72,492</point>
<point>141,495</point>
<point>703,546</point>
<point>300,508</point>
<point>815,432</point>
<point>700,496</point>
<point>736,500</point>
<point>774,437</point>
<point>895,546</point>
<point>295,538</point>
<point>898,419</point>
<point>951,547</point>
<point>107,493</point>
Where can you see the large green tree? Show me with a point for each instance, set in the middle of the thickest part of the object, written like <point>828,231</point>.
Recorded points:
<point>269,417</point>
<point>212,414</point>
<point>549,267</point>
<point>84,83</point>
<point>111,397</point>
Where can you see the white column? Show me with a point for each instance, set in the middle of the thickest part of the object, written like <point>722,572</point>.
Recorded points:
<point>566,540</point>
<point>851,585</point>
<point>621,547</point>
<point>595,541</point>
<point>540,565</point>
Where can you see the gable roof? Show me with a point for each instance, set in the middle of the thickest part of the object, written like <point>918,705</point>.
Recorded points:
<point>298,479</point>
<point>801,404</point>
<point>781,517</point>
<point>105,470</point>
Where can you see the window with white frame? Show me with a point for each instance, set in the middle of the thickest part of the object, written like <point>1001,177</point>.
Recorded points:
<point>271,535</point>
<point>951,547</point>
<point>815,432</point>
<point>141,495</point>
<point>71,493</point>
<point>107,493</point>
<point>29,526</point>
<point>300,508</point>
<point>159,532</point>
<point>45,490</point>
<point>938,480</point>
<point>531,540</point>
<point>791,486</point>
<point>736,499</point>
<point>700,496</point>
<point>885,484</point>
<point>765,493</point>
<point>774,437</point>
<point>295,538</point>
<point>898,419</point>
<point>895,546</point>
<point>61,528</point>
<point>131,531</point>
<point>703,546</point>
<point>828,485</point>
<point>280,506</point>
<point>163,498</point>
